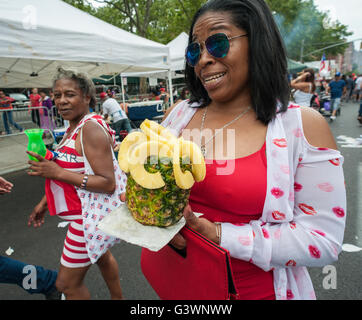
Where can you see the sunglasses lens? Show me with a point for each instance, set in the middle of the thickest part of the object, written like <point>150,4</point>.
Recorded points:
<point>193,54</point>
<point>218,45</point>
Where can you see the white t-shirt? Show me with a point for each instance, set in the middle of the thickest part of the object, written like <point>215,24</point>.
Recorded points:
<point>112,108</point>
<point>359,83</point>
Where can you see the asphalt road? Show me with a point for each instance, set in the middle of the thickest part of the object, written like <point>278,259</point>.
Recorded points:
<point>43,246</point>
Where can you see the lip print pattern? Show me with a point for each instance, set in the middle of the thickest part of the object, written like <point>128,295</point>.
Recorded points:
<point>321,233</point>
<point>277,234</point>
<point>314,252</point>
<point>291,196</point>
<point>326,187</point>
<point>298,133</point>
<point>281,143</point>
<point>238,224</point>
<point>265,233</point>
<point>297,187</point>
<point>245,241</point>
<point>285,169</point>
<point>339,212</point>
<point>277,215</point>
<point>277,192</point>
<point>309,210</point>
<point>292,225</point>
<point>291,263</point>
<point>293,106</point>
<point>290,295</point>
<point>335,162</point>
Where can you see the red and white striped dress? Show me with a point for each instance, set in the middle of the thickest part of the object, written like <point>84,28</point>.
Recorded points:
<point>64,201</point>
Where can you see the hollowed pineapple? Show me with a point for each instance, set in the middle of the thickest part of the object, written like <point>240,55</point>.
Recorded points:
<point>161,171</point>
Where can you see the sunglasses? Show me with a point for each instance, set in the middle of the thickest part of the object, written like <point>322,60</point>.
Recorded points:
<point>218,45</point>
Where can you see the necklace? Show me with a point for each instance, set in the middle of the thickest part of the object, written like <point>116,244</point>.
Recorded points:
<point>203,146</point>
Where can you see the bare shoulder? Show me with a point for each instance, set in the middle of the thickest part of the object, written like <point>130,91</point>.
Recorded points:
<point>303,86</point>
<point>94,135</point>
<point>316,129</point>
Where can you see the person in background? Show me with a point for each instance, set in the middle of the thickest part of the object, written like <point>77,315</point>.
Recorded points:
<point>276,197</point>
<point>185,94</point>
<point>359,118</point>
<point>12,271</point>
<point>110,107</point>
<point>46,119</point>
<point>337,88</point>
<point>305,88</point>
<point>350,85</point>
<point>358,83</point>
<point>111,93</point>
<point>155,95</point>
<point>7,113</point>
<point>34,103</point>
<point>76,195</point>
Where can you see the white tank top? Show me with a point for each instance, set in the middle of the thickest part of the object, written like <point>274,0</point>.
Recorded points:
<point>303,98</point>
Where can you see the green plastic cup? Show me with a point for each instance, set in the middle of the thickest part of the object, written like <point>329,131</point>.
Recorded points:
<point>36,143</point>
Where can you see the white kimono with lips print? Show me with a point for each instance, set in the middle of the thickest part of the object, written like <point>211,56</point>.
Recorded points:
<point>303,220</point>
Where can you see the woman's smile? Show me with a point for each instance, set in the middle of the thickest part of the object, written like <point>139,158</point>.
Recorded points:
<point>212,81</point>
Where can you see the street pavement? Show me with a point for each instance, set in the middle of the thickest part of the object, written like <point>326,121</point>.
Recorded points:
<point>43,246</point>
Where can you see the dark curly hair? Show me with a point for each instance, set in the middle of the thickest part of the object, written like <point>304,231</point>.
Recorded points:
<point>268,67</point>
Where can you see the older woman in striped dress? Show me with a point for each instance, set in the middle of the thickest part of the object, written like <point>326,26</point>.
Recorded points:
<point>87,138</point>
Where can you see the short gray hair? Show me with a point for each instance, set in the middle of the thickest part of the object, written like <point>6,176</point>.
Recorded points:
<point>83,81</point>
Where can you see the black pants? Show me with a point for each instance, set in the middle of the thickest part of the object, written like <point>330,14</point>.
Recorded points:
<point>123,124</point>
<point>35,117</point>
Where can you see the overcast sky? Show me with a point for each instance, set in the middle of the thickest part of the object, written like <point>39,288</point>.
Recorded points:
<point>348,12</point>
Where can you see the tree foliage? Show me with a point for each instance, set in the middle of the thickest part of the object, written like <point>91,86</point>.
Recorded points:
<point>302,26</point>
<point>158,20</point>
<point>305,29</point>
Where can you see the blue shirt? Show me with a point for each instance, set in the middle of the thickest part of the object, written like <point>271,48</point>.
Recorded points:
<point>337,88</point>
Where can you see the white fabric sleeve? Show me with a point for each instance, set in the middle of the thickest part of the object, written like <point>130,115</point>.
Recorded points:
<point>314,237</point>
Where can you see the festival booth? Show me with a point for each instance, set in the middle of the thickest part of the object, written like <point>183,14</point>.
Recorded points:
<point>177,49</point>
<point>38,36</point>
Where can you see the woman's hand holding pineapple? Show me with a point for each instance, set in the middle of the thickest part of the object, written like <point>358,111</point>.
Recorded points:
<point>161,170</point>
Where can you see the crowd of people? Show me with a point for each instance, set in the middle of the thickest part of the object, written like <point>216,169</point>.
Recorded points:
<point>41,108</point>
<point>292,211</point>
<point>7,113</point>
<point>327,94</point>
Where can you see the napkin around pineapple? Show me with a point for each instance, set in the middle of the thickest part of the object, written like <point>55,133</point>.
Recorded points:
<point>121,224</point>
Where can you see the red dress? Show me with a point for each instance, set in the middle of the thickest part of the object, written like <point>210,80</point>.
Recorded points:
<point>237,198</point>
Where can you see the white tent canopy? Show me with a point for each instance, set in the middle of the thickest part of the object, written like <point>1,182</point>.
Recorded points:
<point>177,59</point>
<point>177,51</point>
<point>37,36</point>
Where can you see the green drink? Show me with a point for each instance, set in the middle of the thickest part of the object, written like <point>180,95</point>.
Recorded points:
<point>36,143</point>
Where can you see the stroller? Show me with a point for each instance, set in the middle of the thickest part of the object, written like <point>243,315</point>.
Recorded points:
<point>325,105</point>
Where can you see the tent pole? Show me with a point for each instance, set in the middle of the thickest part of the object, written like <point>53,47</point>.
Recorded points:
<point>124,102</point>
<point>170,86</point>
